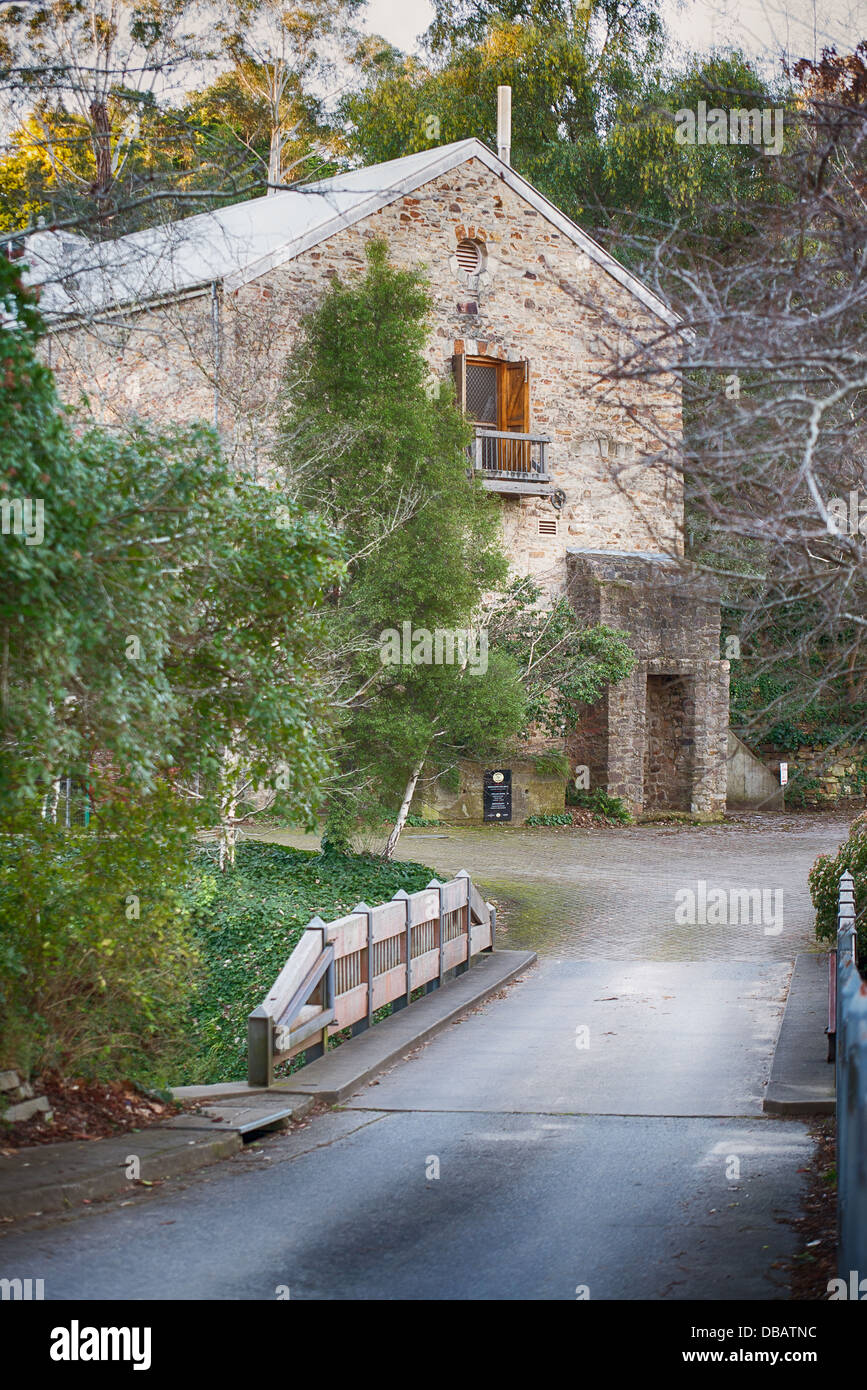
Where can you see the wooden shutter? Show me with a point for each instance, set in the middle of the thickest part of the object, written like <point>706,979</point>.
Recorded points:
<point>515,414</point>
<point>515,396</point>
<point>459,368</point>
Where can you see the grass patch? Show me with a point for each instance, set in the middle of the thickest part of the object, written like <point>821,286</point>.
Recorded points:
<point>248,920</point>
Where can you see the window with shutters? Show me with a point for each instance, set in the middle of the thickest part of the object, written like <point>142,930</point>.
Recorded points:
<point>496,396</point>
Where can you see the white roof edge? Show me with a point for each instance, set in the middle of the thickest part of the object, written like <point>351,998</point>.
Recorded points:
<point>440,163</point>
<point>597,253</point>
<point>443,161</point>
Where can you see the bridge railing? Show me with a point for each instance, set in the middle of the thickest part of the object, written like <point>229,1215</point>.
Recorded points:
<point>342,972</point>
<point>851,1079</point>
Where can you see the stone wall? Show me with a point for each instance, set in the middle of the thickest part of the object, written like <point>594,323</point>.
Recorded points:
<point>533,794</point>
<point>828,775</point>
<point>669,742</point>
<point>219,356</point>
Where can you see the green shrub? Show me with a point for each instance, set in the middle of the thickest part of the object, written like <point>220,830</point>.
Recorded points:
<point>550,818</point>
<point>339,827</point>
<point>824,880</point>
<point>96,956</point>
<point>610,808</point>
<point>246,923</point>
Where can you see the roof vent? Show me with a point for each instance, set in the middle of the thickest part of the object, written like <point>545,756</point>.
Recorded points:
<point>469,255</point>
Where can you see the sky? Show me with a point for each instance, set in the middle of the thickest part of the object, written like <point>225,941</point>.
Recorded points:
<point>764,29</point>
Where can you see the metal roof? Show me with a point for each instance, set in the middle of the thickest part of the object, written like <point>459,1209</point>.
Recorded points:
<point>235,244</point>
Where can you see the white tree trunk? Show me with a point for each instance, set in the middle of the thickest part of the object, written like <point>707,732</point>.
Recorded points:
<point>228,836</point>
<point>50,803</point>
<point>402,814</point>
<point>275,160</point>
<point>228,809</point>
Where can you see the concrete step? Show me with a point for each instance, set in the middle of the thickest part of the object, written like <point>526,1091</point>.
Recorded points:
<point>245,1115</point>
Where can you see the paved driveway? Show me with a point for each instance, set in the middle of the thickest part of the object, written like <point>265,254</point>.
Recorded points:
<point>613,893</point>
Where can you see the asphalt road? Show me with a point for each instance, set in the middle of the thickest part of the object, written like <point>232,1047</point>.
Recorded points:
<point>595,1130</point>
<point>504,1160</point>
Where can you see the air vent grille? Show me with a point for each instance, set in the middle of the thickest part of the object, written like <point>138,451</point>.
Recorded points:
<point>469,257</point>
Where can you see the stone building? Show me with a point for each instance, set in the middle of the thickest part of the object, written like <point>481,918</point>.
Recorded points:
<point>194,320</point>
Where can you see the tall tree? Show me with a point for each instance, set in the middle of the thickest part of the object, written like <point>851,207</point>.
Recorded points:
<point>156,608</point>
<point>773,461</point>
<point>89,72</point>
<point>594,101</point>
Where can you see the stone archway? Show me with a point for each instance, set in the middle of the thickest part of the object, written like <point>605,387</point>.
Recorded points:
<point>669,743</point>
<point>657,739</point>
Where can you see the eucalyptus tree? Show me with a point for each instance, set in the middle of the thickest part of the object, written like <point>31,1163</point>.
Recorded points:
<point>281,54</point>
<point>86,77</point>
<point>773,459</point>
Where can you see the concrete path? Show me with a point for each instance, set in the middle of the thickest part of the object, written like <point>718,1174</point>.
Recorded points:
<point>803,1081</point>
<point>597,1129</point>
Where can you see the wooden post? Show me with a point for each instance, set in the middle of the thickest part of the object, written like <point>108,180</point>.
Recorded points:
<point>439,931</point>
<point>398,1004</point>
<point>363,908</point>
<point>492,918</point>
<point>435,984</point>
<point>260,1048</point>
<point>465,965</point>
<point>328,999</point>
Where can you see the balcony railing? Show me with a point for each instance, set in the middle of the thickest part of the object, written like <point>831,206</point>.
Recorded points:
<point>507,454</point>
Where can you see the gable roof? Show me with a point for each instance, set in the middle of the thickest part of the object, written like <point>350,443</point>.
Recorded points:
<point>242,241</point>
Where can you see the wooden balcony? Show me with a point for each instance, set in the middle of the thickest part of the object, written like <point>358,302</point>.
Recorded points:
<point>510,462</point>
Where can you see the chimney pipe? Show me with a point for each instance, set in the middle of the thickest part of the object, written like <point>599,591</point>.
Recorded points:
<point>504,124</point>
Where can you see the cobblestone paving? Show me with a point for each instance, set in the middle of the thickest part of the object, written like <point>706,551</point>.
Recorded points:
<point>611,893</point>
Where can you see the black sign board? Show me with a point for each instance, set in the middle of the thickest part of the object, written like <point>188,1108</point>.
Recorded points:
<point>498,795</point>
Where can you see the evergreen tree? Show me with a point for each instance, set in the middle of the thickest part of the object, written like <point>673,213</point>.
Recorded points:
<point>375,448</point>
